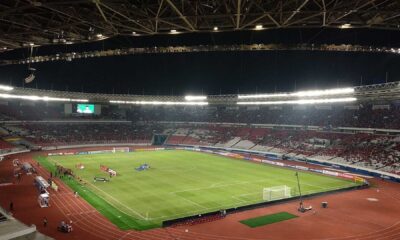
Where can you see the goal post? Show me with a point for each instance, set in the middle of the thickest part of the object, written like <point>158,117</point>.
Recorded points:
<point>276,193</point>
<point>120,149</point>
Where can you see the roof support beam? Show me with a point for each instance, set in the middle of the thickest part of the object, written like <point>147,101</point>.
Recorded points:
<point>13,44</point>
<point>352,11</point>
<point>267,14</point>
<point>324,15</point>
<point>96,2</point>
<point>238,12</point>
<point>180,15</point>
<point>158,14</point>
<point>295,12</point>
<point>145,29</point>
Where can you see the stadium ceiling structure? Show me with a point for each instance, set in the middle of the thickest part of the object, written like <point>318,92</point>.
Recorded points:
<point>25,23</point>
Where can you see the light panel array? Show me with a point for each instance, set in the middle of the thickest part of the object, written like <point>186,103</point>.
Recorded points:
<point>169,103</point>
<point>301,101</point>
<point>40,98</point>
<point>195,98</point>
<point>6,88</point>
<point>310,93</point>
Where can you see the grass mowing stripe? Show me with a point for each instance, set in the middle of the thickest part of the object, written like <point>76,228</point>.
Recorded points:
<point>268,219</point>
<point>120,219</point>
<point>179,184</point>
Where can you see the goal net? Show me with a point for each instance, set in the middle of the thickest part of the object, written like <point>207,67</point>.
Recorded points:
<point>276,193</point>
<point>120,149</point>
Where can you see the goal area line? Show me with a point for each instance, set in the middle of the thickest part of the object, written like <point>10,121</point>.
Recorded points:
<point>246,207</point>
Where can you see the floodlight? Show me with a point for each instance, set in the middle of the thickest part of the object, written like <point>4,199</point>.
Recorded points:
<point>40,98</point>
<point>173,31</point>
<point>259,27</point>
<point>195,98</point>
<point>310,93</point>
<point>263,95</point>
<point>6,88</point>
<point>346,25</point>
<point>159,103</point>
<point>300,101</point>
<point>313,93</point>
<point>99,35</point>
<point>215,28</point>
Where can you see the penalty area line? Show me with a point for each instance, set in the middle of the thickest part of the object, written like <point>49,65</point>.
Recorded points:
<point>123,205</point>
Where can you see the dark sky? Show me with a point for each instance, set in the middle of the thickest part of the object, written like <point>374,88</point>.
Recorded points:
<point>214,73</point>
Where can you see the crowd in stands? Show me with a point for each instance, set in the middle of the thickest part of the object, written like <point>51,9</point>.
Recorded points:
<point>385,116</point>
<point>377,150</point>
<point>52,111</point>
<point>369,116</point>
<point>380,152</point>
<point>45,134</point>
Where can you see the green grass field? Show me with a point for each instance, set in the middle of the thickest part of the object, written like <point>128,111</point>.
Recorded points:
<point>268,219</point>
<point>178,184</point>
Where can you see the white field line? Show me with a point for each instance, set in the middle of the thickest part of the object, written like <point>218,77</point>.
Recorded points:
<point>238,199</point>
<point>215,185</point>
<point>188,200</point>
<point>218,186</point>
<point>239,203</point>
<point>135,212</point>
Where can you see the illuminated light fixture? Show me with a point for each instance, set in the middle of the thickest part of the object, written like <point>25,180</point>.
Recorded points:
<point>173,31</point>
<point>159,103</point>
<point>215,28</point>
<point>39,98</point>
<point>31,44</point>
<point>310,93</point>
<point>259,27</point>
<point>334,91</point>
<point>133,33</point>
<point>6,88</point>
<point>78,100</point>
<point>300,101</point>
<point>195,98</point>
<point>99,35</point>
<point>263,96</point>
<point>346,25</point>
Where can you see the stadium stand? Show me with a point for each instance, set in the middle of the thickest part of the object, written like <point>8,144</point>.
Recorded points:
<point>367,150</point>
<point>363,135</point>
<point>5,145</point>
<point>363,116</point>
<point>45,134</point>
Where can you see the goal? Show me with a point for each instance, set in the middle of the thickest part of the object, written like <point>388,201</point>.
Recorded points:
<point>276,193</point>
<point>120,149</point>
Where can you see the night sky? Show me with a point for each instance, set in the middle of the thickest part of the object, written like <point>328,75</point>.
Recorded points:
<point>218,72</point>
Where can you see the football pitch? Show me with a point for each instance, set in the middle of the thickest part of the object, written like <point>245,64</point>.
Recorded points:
<point>179,183</point>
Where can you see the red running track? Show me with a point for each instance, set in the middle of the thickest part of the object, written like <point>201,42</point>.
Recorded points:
<point>350,216</point>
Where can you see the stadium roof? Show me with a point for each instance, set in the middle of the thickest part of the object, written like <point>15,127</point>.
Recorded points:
<point>42,22</point>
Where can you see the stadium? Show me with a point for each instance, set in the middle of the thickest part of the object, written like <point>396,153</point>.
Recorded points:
<point>233,119</point>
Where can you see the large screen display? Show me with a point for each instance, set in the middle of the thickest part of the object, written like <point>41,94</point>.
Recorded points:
<point>85,108</point>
